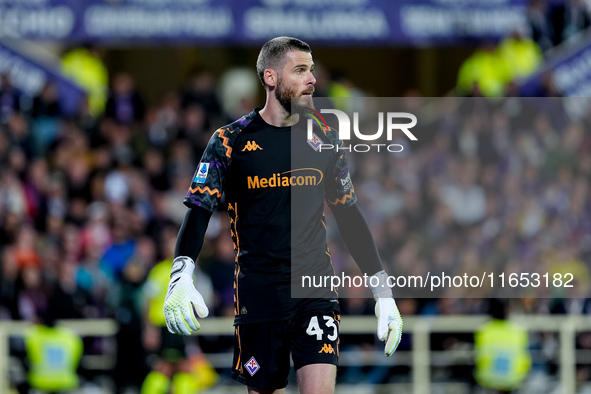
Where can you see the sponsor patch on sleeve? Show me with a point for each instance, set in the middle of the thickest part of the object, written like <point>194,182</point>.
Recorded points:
<point>201,175</point>
<point>346,182</point>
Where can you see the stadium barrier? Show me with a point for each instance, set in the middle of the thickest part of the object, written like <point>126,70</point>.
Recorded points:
<point>421,357</point>
<point>84,328</point>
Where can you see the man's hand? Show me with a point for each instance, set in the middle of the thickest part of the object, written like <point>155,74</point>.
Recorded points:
<point>389,319</point>
<point>183,303</point>
<point>389,324</point>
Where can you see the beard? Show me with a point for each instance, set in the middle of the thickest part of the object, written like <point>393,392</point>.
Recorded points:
<point>290,101</point>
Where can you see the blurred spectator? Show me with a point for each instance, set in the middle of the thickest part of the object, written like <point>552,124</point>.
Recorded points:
<point>9,284</point>
<point>125,105</point>
<point>181,161</point>
<point>323,79</point>
<point>9,98</point>
<point>532,218</point>
<point>168,113</point>
<point>46,114</point>
<point>69,300</point>
<point>96,234</point>
<point>194,130</point>
<point>19,135</point>
<point>178,190</point>
<point>172,368</point>
<point>13,199</point>
<point>521,54</point>
<point>92,280</point>
<point>117,184</point>
<point>154,165</point>
<point>340,89</point>
<point>127,303</point>
<point>238,89</point>
<point>122,248</point>
<point>484,73</point>
<point>200,92</point>
<point>159,135</point>
<point>501,352</point>
<point>36,188</point>
<point>220,268</point>
<point>54,354</point>
<point>569,18</point>
<point>25,251</point>
<point>549,88</point>
<point>465,198</point>
<point>567,262</point>
<point>539,24</point>
<point>57,204</point>
<point>33,293</point>
<point>84,65</point>
<point>88,122</point>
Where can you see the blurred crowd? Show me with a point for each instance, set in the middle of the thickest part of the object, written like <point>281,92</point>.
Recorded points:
<point>90,207</point>
<point>492,185</point>
<point>497,69</point>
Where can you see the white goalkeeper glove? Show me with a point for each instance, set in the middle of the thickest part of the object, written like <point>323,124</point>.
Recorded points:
<point>389,319</point>
<point>183,303</point>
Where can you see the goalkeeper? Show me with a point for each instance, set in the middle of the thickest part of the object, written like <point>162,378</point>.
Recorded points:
<point>275,183</point>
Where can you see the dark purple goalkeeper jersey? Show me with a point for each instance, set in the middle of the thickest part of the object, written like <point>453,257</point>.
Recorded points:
<point>275,182</point>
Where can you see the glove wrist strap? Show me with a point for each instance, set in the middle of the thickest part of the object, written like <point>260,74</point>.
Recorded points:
<point>381,288</point>
<point>182,265</point>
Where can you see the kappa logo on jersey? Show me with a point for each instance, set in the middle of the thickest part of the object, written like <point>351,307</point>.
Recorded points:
<point>202,173</point>
<point>315,142</point>
<point>250,146</point>
<point>252,366</point>
<point>327,348</point>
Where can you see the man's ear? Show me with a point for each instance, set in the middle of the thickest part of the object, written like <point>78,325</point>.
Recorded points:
<point>270,77</point>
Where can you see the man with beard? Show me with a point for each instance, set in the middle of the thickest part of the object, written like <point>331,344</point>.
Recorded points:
<point>275,182</point>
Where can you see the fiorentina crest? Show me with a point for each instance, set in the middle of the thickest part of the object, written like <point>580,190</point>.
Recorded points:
<point>252,366</point>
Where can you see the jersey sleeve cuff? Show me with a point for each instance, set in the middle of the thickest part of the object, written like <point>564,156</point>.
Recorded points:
<point>191,202</point>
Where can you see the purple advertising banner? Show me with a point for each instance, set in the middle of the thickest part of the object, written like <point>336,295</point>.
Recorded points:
<point>569,70</point>
<point>351,22</point>
<point>29,76</point>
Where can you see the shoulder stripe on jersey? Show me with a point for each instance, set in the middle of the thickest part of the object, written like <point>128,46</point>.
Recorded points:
<point>225,132</point>
<point>214,192</point>
<point>343,199</point>
<point>225,140</point>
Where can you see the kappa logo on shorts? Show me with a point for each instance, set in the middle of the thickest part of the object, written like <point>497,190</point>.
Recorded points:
<point>252,366</point>
<point>250,146</point>
<point>327,348</point>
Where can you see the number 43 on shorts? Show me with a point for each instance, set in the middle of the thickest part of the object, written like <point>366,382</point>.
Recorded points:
<point>315,330</point>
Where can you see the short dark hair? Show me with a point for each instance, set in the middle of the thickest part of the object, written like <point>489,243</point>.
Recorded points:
<point>272,54</point>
